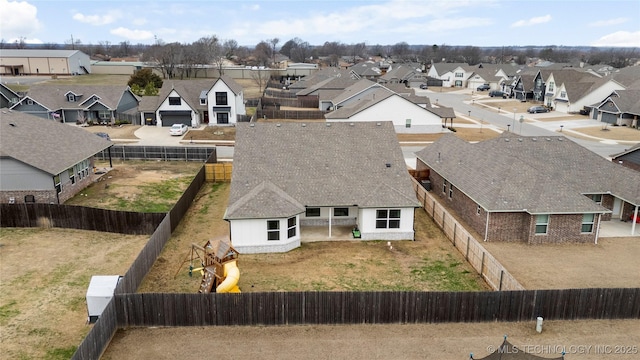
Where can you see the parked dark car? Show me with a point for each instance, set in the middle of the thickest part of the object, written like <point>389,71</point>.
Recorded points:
<point>498,93</point>
<point>423,86</point>
<point>584,111</point>
<point>483,87</point>
<point>104,135</point>
<point>537,109</point>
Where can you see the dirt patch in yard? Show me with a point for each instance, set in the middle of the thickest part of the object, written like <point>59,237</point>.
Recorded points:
<point>45,277</point>
<point>584,340</point>
<point>126,132</point>
<point>611,263</point>
<point>619,133</point>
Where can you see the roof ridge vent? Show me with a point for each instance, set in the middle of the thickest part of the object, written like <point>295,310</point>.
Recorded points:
<point>304,125</point>
<point>534,139</point>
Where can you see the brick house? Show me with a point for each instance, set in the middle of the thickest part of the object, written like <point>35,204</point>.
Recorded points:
<point>44,161</point>
<point>529,189</point>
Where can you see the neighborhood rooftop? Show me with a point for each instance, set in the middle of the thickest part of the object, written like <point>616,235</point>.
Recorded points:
<point>318,164</point>
<point>533,174</point>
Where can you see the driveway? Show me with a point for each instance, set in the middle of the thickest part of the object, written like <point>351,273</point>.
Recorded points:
<point>159,136</point>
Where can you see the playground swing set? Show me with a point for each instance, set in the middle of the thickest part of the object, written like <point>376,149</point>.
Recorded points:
<point>218,262</point>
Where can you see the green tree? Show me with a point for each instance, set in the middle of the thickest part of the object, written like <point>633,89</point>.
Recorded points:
<point>142,78</point>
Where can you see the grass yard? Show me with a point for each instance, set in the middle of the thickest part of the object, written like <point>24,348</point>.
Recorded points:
<point>429,263</point>
<point>143,186</point>
<point>619,133</point>
<point>45,276</point>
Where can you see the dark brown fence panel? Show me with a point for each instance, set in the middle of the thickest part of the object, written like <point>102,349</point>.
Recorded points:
<point>281,308</point>
<point>78,217</point>
<point>182,205</point>
<point>130,282</point>
<point>165,153</point>
<point>100,335</point>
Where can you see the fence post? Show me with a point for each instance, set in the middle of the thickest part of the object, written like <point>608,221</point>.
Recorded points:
<point>501,276</point>
<point>482,265</point>
<point>433,213</point>
<point>468,241</point>
<point>455,227</point>
<point>123,157</point>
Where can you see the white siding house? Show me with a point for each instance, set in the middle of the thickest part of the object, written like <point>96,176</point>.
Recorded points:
<point>289,177</point>
<point>174,109</point>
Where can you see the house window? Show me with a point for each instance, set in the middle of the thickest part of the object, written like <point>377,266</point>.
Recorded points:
<point>203,101</point>
<point>29,102</point>
<point>72,175</point>
<point>587,223</point>
<point>71,98</point>
<point>542,223</point>
<point>388,219</point>
<point>223,118</point>
<point>341,212</point>
<point>58,185</point>
<point>104,114</point>
<point>478,210</point>
<point>174,100</point>
<point>563,94</point>
<point>597,198</point>
<point>29,199</point>
<point>221,98</point>
<point>291,227</point>
<point>312,212</point>
<point>444,187</point>
<point>273,230</point>
<point>550,86</point>
<point>450,191</point>
<point>408,123</point>
<point>459,75</point>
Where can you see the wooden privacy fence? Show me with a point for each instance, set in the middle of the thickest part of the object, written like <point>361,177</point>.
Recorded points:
<point>288,308</point>
<point>79,217</point>
<point>165,153</point>
<point>218,172</point>
<point>494,273</point>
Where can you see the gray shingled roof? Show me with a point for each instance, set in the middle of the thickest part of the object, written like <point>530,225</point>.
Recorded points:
<point>280,168</point>
<point>532,174</point>
<point>189,91</point>
<point>54,96</point>
<point>38,53</point>
<point>45,144</point>
<point>627,101</point>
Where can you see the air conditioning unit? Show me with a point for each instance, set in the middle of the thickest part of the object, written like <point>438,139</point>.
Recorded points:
<point>426,184</point>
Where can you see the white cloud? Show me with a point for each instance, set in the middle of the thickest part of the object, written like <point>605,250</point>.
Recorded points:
<point>619,39</point>
<point>610,22</point>
<point>532,21</point>
<point>130,34</point>
<point>254,7</point>
<point>139,21</point>
<point>18,19</point>
<point>98,20</point>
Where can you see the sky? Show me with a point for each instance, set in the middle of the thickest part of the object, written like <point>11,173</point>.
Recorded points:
<point>480,23</point>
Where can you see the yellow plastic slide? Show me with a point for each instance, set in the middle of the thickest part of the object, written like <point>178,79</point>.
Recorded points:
<point>231,277</point>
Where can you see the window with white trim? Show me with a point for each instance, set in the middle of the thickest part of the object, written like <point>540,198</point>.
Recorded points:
<point>597,198</point>
<point>444,186</point>
<point>72,175</point>
<point>542,224</point>
<point>291,227</point>
<point>273,230</point>
<point>175,100</point>
<point>478,210</point>
<point>587,223</point>
<point>388,219</point>
<point>340,212</point>
<point>550,88</point>
<point>71,98</point>
<point>312,212</point>
<point>58,185</point>
<point>459,75</point>
<point>450,191</point>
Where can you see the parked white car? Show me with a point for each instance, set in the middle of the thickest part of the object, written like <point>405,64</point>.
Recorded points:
<point>178,129</point>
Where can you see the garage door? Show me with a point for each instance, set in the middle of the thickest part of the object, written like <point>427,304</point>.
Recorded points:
<point>609,118</point>
<point>175,117</point>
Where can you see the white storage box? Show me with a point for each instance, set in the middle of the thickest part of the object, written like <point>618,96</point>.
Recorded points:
<point>100,292</point>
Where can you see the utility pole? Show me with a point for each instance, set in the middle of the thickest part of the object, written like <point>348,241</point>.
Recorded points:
<point>73,44</point>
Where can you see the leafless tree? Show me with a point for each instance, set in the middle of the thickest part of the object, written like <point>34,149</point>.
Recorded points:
<point>274,43</point>
<point>261,78</point>
<point>262,53</point>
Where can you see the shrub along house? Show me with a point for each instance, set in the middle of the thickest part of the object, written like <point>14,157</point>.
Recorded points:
<point>289,176</point>
<point>44,161</point>
<point>529,189</point>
